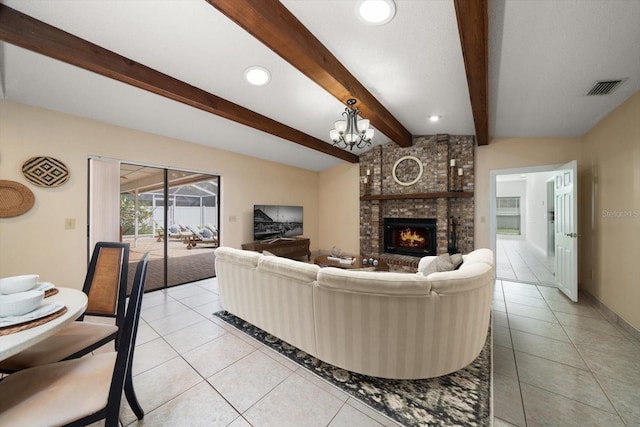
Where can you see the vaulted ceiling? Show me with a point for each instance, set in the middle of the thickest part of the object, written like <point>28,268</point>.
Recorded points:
<point>175,68</point>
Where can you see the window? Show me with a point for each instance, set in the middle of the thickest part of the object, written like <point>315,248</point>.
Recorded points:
<point>508,215</point>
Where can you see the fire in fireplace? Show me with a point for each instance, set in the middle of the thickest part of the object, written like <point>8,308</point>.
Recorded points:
<point>410,236</point>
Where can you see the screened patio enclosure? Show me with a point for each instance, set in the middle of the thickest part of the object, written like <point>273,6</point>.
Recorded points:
<point>194,205</point>
<point>174,215</point>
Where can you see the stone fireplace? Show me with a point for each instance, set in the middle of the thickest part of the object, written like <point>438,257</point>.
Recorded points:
<point>410,236</point>
<point>430,188</point>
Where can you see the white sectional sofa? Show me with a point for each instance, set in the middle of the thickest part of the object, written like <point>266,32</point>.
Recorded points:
<point>384,324</point>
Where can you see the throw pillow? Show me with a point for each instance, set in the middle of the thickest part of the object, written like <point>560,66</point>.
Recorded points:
<point>441,263</point>
<point>456,260</point>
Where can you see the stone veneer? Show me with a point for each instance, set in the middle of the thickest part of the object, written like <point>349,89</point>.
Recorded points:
<point>435,153</point>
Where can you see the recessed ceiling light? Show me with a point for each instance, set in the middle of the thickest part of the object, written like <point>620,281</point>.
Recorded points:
<point>434,118</point>
<point>376,12</point>
<point>256,75</point>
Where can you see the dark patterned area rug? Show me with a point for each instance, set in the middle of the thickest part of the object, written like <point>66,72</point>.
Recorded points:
<point>180,270</point>
<point>462,398</point>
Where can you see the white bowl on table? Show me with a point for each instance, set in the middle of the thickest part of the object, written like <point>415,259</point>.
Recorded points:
<point>14,284</point>
<point>20,303</point>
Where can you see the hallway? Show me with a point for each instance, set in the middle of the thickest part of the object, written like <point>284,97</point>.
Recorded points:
<point>520,261</point>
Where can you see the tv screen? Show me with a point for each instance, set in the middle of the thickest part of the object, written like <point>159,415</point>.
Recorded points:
<point>274,222</point>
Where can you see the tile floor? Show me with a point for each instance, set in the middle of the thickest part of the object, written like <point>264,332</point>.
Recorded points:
<point>558,363</point>
<point>555,363</point>
<point>519,261</point>
<point>192,369</point>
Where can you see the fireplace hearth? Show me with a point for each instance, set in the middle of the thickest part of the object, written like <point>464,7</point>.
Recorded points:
<point>410,236</point>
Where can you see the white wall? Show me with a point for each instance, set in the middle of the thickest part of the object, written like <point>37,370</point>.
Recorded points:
<point>536,218</point>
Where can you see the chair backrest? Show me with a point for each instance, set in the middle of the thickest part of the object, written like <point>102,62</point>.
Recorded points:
<point>128,333</point>
<point>106,280</point>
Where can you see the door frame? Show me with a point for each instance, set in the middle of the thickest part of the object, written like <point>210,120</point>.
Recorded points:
<point>492,193</point>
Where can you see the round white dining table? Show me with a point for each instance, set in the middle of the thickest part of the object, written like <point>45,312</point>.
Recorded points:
<point>76,303</point>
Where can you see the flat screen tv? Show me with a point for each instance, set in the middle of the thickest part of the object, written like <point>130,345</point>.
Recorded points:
<point>276,222</point>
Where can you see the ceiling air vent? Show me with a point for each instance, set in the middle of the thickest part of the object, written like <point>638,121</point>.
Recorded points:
<point>604,87</point>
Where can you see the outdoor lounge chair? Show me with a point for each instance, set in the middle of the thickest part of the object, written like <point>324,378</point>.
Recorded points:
<point>176,231</point>
<point>204,236</point>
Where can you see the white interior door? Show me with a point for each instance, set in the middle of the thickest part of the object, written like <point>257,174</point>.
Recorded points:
<point>566,229</point>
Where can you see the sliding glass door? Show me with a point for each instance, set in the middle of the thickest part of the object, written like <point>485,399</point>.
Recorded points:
<point>192,232</point>
<point>142,220</point>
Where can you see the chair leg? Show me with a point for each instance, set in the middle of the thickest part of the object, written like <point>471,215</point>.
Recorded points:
<point>130,394</point>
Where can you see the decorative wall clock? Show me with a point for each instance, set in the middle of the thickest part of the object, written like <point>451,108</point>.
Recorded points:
<point>45,171</point>
<point>15,199</point>
<point>407,170</point>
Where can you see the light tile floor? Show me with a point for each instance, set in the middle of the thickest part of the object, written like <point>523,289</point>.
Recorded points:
<point>559,363</point>
<point>555,363</point>
<point>192,369</point>
<point>519,261</point>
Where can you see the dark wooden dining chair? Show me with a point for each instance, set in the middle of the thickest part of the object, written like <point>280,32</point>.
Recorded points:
<point>81,391</point>
<point>106,287</point>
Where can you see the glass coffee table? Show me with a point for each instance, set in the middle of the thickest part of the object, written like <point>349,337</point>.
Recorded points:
<point>324,261</point>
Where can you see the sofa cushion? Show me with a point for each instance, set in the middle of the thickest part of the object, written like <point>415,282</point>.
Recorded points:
<point>239,256</point>
<point>441,263</point>
<point>374,282</point>
<point>290,268</point>
<point>424,262</point>
<point>456,260</point>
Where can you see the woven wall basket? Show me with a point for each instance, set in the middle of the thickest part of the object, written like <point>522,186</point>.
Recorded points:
<point>45,171</point>
<point>15,199</point>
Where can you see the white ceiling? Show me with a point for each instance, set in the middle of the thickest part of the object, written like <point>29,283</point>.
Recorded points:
<point>544,55</point>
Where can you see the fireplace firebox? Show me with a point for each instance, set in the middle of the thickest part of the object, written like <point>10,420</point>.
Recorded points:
<point>410,236</point>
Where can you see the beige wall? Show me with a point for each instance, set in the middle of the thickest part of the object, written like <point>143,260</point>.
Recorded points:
<point>510,153</point>
<point>610,207</point>
<point>339,209</point>
<point>37,241</point>
<point>608,155</point>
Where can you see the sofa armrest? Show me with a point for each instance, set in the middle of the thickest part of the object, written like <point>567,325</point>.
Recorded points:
<point>238,256</point>
<point>480,255</point>
<point>473,276</point>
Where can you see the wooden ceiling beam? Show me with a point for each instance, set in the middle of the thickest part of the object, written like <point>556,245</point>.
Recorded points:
<point>26,32</point>
<point>473,29</point>
<point>274,25</point>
